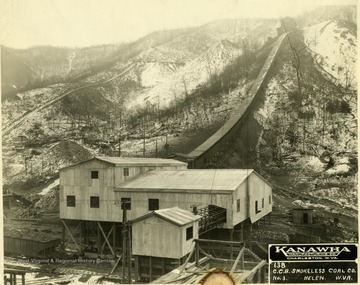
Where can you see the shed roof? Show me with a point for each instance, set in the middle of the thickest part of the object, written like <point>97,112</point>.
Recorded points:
<point>190,179</point>
<point>133,161</point>
<point>173,215</point>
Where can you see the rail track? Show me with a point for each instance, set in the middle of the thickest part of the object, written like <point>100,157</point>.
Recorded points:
<point>200,156</point>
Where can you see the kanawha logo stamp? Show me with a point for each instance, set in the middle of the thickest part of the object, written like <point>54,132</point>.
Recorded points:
<point>312,263</point>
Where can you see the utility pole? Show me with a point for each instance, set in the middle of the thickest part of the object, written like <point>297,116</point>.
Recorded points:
<point>123,242</point>
<point>126,252</point>
<point>144,137</point>
<point>120,135</point>
<point>156,148</point>
<point>119,146</point>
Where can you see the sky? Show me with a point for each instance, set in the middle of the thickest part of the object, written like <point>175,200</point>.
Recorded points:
<point>80,23</point>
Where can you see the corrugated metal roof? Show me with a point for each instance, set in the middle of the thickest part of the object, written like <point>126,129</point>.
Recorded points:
<point>173,215</point>
<point>177,215</point>
<point>194,179</point>
<point>135,161</point>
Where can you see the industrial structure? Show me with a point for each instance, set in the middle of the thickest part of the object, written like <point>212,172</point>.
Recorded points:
<point>141,206</point>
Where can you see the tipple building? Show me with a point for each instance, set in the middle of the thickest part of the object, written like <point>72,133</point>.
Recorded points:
<point>93,193</point>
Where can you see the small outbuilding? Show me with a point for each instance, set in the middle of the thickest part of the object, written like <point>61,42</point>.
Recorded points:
<point>302,216</point>
<point>162,239</point>
<point>165,233</point>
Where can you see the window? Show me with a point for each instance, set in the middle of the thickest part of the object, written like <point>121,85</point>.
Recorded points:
<point>238,205</point>
<point>153,204</point>
<point>269,199</point>
<point>257,207</point>
<point>94,202</point>
<point>263,202</point>
<point>70,201</point>
<point>189,233</point>
<point>94,174</point>
<point>126,171</point>
<point>125,203</point>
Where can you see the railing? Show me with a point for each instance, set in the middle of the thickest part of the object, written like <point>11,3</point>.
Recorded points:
<point>212,217</point>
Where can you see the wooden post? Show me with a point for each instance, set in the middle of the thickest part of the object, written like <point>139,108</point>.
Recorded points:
<point>137,269</point>
<point>156,148</point>
<point>163,266</point>
<point>128,250</point>
<point>98,241</point>
<point>231,246</point>
<point>197,253</point>
<point>63,237</point>
<point>81,237</point>
<point>263,275</point>
<point>114,237</point>
<point>124,242</point>
<point>258,277</point>
<point>269,218</point>
<point>150,268</point>
<point>242,232</point>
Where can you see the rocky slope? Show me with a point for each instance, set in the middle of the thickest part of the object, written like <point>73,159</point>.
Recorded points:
<point>175,89</point>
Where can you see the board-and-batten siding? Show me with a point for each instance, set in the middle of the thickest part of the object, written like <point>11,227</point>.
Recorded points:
<point>258,190</point>
<point>77,181</point>
<point>156,237</point>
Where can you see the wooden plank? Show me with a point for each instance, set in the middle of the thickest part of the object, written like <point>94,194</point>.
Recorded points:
<point>116,264</point>
<point>237,260</point>
<point>188,258</point>
<point>248,274</point>
<point>197,256</point>
<point>239,243</point>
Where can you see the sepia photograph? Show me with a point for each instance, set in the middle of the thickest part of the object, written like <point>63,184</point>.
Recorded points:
<point>179,141</point>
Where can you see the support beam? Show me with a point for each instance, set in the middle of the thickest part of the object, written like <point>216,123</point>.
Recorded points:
<point>197,255</point>
<point>219,241</point>
<point>150,268</point>
<point>241,253</point>
<point>188,258</point>
<point>231,246</point>
<point>81,236</point>
<point>98,241</point>
<point>116,264</point>
<point>250,273</point>
<point>114,235</point>
<point>137,279</point>
<point>106,239</point>
<point>71,235</point>
<point>128,238</point>
<point>63,229</point>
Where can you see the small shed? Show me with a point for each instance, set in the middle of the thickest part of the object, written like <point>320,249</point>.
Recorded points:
<point>165,233</point>
<point>161,241</point>
<point>302,216</point>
